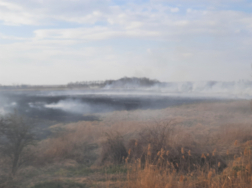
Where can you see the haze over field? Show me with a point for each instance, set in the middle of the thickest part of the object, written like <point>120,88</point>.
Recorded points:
<point>83,100</point>
<point>125,93</point>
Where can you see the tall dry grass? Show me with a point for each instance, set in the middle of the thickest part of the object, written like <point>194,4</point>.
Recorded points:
<point>164,174</point>
<point>200,127</point>
<point>185,146</point>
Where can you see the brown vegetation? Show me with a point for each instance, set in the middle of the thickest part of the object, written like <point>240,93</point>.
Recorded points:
<point>237,174</point>
<point>191,146</point>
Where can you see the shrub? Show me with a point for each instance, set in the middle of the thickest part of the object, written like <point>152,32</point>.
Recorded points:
<point>155,146</point>
<point>113,149</point>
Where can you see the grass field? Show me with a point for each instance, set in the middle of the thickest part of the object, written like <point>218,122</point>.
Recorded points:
<point>191,146</point>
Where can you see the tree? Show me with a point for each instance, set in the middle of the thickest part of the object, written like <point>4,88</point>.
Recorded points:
<point>16,134</point>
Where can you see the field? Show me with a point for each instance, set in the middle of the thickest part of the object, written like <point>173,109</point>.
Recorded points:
<point>205,144</point>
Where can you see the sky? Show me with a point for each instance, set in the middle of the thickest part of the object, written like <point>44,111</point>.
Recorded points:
<point>61,41</point>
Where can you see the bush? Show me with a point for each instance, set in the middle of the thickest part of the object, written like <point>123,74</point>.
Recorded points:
<point>155,146</point>
<point>113,149</point>
<point>151,140</point>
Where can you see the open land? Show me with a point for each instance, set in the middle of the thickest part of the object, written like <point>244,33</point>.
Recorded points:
<point>202,144</point>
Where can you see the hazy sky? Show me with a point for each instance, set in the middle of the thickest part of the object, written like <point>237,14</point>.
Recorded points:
<point>60,41</point>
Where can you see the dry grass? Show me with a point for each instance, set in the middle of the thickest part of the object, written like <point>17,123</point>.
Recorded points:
<point>237,174</point>
<point>191,146</point>
<point>76,142</point>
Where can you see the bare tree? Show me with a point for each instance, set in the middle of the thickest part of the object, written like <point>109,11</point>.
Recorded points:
<point>16,134</point>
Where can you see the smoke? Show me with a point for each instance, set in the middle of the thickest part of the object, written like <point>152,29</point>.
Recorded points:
<point>2,111</point>
<point>36,105</point>
<point>77,104</point>
<point>133,86</point>
<point>6,105</point>
<point>239,89</point>
<point>70,105</point>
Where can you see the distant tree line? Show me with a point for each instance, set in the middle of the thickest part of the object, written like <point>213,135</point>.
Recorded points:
<point>125,82</point>
<point>120,83</point>
<point>87,84</point>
